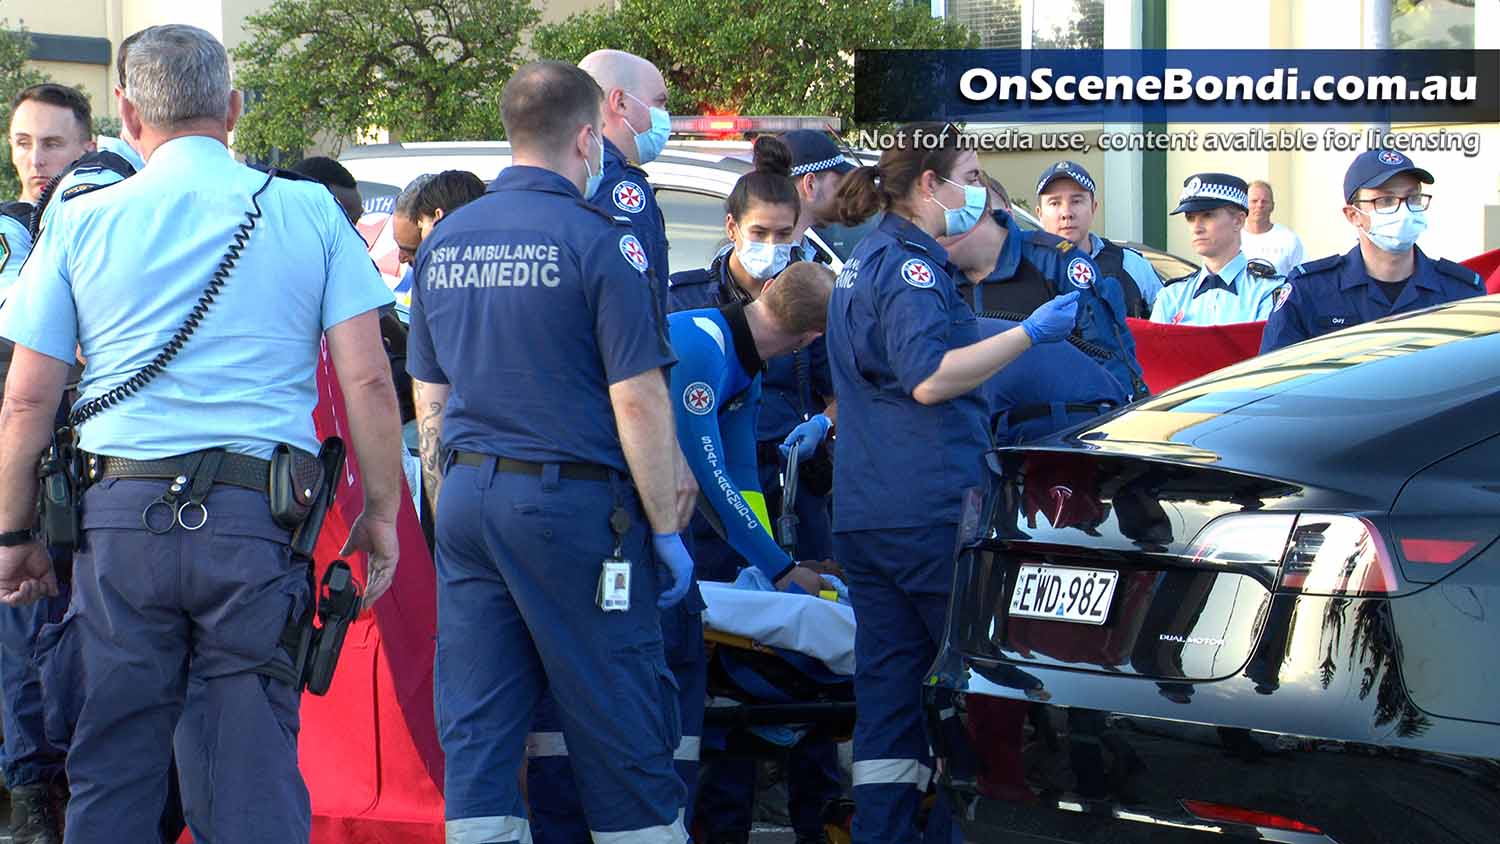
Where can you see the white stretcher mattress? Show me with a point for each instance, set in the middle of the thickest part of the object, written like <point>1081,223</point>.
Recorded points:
<point>816,627</point>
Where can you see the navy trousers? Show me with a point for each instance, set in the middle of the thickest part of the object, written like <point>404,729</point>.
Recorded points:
<point>899,584</point>
<point>518,564</point>
<point>27,756</point>
<point>164,647</point>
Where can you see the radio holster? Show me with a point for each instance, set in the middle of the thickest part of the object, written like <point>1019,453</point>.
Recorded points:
<point>59,502</point>
<point>314,639</point>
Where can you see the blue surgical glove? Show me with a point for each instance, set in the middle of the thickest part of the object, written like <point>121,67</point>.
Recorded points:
<point>674,555</point>
<point>807,437</point>
<point>1053,320</point>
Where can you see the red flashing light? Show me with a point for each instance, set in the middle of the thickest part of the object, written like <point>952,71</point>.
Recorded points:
<point>1437,552</point>
<point>1249,817</point>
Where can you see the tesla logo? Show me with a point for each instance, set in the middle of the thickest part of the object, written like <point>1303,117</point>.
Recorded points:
<point>1060,496</point>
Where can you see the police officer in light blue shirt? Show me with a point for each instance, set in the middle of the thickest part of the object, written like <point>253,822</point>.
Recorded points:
<point>1228,289</point>
<point>533,324</point>
<point>181,588</point>
<point>907,360</point>
<point>1386,273</point>
<point>1066,205</point>
<point>636,128</point>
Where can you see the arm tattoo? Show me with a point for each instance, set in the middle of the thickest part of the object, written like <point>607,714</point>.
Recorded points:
<point>429,433</point>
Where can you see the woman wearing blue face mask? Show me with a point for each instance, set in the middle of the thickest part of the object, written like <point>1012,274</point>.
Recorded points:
<point>760,221</point>
<point>906,357</point>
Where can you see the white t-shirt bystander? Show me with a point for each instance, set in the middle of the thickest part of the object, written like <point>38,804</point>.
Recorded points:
<point>1279,245</point>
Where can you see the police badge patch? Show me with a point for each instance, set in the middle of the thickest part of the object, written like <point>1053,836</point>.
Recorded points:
<point>630,197</point>
<point>917,274</point>
<point>1283,293</point>
<point>698,398</point>
<point>1080,273</point>
<point>633,252</point>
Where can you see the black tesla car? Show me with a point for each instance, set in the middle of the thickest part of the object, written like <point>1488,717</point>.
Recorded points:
<point>1264,605</point>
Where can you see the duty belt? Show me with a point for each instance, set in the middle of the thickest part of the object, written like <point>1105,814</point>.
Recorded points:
<point>237,469</point>
<point>567,471</point>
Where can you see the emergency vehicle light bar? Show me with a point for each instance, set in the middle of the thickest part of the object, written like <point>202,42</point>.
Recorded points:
<point>720,124</point>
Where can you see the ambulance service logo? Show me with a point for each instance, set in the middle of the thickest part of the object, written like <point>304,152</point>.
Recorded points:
<point>1080,273</point>
<point>633,252</point>
<point>1393,158</point>
<point>698,398</point>
<point>917,274</point>
<point>629,197</point>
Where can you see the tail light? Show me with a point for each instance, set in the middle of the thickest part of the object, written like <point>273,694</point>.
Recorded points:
<point>1243,538</point>
<point>1317,554</point>
<point>1337,555</point>
<point>1249,817</point>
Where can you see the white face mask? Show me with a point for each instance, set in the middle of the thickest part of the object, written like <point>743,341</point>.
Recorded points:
<point>764,260</point>
<point>1396,231</point>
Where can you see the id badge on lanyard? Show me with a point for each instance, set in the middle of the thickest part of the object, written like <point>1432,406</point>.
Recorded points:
<point>614,575</point>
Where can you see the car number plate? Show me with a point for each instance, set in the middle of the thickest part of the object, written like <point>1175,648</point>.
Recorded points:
<point>1060,593</point>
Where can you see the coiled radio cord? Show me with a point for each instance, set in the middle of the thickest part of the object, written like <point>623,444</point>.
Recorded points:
<point>93,407</point>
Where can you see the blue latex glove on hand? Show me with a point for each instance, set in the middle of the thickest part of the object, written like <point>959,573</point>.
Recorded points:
<point>671,553</point>
<point>1053,320</point>
<point>807,437</point>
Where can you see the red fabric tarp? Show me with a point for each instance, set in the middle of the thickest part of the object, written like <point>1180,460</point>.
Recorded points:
<point>1488,267</point>
<point>1172,354</point>
<point>369,748</point>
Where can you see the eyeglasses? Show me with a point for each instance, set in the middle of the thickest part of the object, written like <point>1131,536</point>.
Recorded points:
<point>1388,203</point>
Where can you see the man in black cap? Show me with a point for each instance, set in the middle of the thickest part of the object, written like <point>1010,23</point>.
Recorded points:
<point>1066,205</point>
<point>818,168</point>
<point>1385,274</point>
<point>1227,289</point>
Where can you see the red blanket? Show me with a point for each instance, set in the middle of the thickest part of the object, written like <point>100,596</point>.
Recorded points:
<point>1488,267</point>
<point>1172,354</point>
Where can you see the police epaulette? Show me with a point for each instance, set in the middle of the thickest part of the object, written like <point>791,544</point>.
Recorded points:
<point>1171,281</point>
<point>1328,263</point>
<point>1456,270</point>
<point>97,160</point>
<point>282,173</point>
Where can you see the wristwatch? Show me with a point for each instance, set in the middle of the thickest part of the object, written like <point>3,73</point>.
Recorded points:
<point>16,537</point>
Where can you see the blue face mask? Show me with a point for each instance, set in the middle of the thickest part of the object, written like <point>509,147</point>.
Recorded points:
<point>963,218</point>
<point>596,174</point>
<point>650,143</point>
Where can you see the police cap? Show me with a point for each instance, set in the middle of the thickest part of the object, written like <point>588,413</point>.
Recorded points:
<point>814,152</point>
<point>1065,170</point>
<point>1375,167</point>
<point>1211,190</point>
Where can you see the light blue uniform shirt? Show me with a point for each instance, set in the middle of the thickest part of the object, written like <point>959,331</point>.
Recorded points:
<point>15,245</point>
<point>1136,266</point>
<point>1192,302</point>
<point>118,271</point>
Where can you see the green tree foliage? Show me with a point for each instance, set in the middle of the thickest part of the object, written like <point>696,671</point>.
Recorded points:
<point>755,57</point>
<point>423,69</point>
<point>15,74</point>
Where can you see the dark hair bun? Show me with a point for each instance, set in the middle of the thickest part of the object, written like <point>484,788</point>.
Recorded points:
<point>771,155</point>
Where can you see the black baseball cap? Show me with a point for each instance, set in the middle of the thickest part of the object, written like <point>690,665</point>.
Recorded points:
<point>1211,190</point>
<point>814,152</point>
<point>1065,170</point>
<point>1375,167</point>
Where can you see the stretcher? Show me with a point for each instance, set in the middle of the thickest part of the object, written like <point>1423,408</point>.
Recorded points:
<point>780,665</point>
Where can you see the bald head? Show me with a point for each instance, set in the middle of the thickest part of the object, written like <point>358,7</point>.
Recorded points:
<point>631,87</point>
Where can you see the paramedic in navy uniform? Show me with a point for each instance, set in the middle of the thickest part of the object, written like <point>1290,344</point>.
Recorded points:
<point>907,357</point>
<point>533,323</point>
<point>173,635</point>
<point>1385,273</point>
